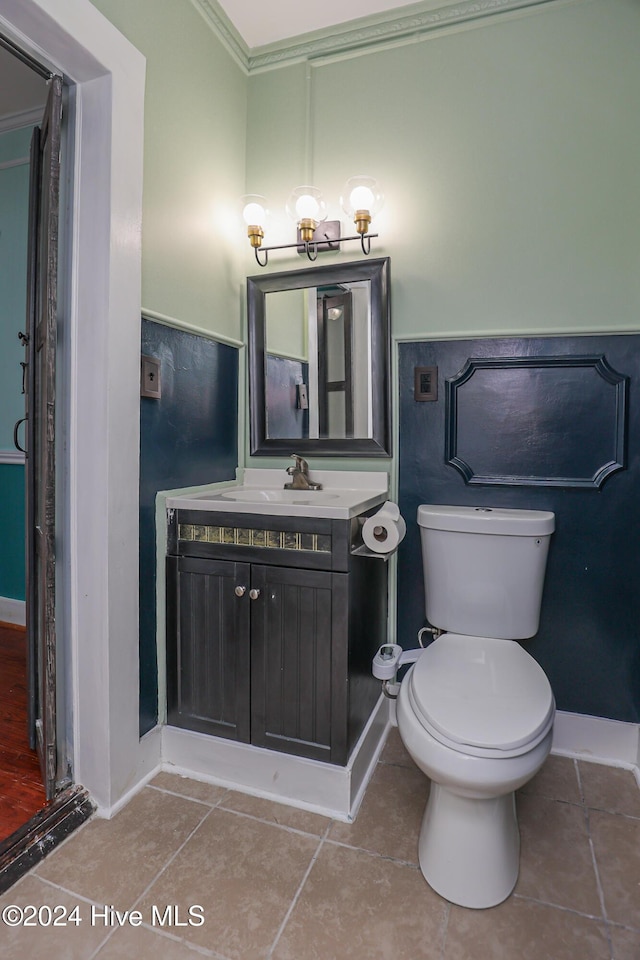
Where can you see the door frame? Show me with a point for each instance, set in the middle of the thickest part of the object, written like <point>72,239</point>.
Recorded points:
<point>99,324</point>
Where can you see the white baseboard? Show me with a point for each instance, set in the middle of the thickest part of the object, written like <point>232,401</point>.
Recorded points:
<point>597,739</point>
<point>320,787</point>
<point>337,791</point>
<point>13,611</point>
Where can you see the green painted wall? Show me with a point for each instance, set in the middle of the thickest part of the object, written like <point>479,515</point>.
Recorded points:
<point>287,324</point>
<point>509,150</point>
<point>195,128</point>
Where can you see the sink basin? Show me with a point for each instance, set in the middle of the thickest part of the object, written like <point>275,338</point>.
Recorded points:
<point>251,495</point>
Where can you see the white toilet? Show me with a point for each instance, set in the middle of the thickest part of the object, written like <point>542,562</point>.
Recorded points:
<point>476,711</point>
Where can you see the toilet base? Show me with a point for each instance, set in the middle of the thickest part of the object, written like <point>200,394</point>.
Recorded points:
<point>469,849</point>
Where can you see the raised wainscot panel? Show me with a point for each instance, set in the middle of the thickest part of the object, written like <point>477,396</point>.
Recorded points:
<point>536,421</point>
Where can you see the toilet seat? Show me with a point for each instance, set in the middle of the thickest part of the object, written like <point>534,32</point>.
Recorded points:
<point>481,696</point>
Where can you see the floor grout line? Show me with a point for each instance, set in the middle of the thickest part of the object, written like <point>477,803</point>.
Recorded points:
<point>579,779</point>
<point>195,947</point>
<point>594,860</point>
<point>76,896</point>
<point>373,853</point>
<point>559,906</point>
<point>272,823</point>
<point>171,859</point>
<point>445,931</point>
<point>185,796</point>
<point>158,875</point>
<point>296,896</point>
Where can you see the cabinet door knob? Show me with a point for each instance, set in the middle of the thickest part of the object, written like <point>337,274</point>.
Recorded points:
<point>240,591</point>
<point>254,594</point>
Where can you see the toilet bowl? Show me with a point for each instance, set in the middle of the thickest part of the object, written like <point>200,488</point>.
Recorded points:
<point>456,717</point>
<point>476,711</point>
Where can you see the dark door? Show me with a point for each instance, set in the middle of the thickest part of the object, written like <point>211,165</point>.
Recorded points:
<point>299,662</point>
<point>335,367</point>
<point>40,433</point>
<point>208,681</point>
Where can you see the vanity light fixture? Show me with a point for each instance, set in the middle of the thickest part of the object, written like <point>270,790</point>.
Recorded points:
<point>361,199</point>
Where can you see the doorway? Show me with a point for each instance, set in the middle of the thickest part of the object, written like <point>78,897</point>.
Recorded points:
<point>23,93</point>
<point>99,353</point>
<point>37,799</point>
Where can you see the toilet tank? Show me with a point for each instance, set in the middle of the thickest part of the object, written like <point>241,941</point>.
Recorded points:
<point>484,568</point>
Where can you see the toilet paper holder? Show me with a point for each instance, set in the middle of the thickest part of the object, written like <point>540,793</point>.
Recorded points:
<point>379,533</point>
<point>359,547</point>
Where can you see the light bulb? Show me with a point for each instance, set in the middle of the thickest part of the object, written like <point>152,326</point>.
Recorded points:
<point>307,207</point>
<point>306,203</point>
<point>253,213</point>
<point>361,198</point>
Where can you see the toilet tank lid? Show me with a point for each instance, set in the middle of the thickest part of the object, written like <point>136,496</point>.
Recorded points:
<point>495,520</point>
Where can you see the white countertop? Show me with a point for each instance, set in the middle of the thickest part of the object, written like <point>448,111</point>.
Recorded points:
<point>344,494</point>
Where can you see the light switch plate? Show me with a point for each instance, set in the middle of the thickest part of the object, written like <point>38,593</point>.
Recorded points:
<point>150,377</point>
<point>425,385</point>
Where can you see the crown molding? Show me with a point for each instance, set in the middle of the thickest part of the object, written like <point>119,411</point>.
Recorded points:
<point>366,32</point>
<point>219,22</point>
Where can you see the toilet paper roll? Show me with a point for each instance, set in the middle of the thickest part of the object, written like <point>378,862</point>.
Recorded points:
<point>385,529</point>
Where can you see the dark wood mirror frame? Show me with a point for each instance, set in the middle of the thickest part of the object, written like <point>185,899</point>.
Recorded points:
<point>377,273</point>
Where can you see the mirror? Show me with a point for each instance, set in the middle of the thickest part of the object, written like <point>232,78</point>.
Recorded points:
<point>319,361</point>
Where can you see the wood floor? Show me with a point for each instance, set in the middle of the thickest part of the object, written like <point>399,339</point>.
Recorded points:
<point>21,791</point>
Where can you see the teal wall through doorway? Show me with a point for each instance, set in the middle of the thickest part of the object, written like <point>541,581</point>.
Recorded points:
<point>14,207</point>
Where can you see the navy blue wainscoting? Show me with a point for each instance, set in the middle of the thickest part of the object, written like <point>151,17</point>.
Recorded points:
<point>284,418</point>
<point>187,437</point>
<point>545,424</point>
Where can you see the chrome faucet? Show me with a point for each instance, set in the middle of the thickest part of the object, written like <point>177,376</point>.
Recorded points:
<point>299,473</point>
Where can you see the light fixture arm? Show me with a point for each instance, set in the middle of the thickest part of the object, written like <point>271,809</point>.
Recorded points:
<point>313,247</point>
<point>366,249</point>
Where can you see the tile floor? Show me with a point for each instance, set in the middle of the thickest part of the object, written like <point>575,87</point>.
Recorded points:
<point>275,882</point>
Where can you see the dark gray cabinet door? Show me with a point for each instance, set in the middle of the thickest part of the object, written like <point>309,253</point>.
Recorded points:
<point>208,665</point>
<point>299,662</point>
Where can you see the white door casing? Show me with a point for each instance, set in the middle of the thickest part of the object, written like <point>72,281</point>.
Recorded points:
<point>99,344</point>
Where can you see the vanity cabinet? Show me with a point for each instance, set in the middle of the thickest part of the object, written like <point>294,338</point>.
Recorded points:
<point>272,623</point>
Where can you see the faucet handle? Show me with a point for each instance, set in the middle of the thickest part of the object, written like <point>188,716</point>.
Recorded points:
<point>300,463</point>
